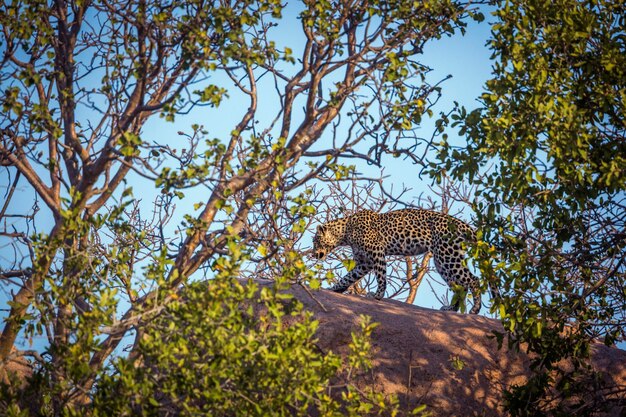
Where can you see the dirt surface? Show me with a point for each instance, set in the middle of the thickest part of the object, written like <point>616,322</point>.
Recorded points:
<point>415,350</point>
<point>444,360</point>
<point>16,369</point>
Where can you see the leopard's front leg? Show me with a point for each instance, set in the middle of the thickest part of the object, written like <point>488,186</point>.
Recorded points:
<point>353,276</point>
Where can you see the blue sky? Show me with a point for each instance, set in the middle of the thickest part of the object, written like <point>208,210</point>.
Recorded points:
<point>466,58</point>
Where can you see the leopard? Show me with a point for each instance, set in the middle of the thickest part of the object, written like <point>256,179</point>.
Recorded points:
<point>405,232</point>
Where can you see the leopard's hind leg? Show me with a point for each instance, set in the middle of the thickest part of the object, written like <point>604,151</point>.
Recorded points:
<point>450,263</point>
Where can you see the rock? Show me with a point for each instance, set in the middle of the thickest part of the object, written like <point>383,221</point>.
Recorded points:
<point>445,360</point>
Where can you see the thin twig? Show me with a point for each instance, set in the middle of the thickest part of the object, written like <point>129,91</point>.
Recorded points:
<point>11,190</point>
<point>313,297</point>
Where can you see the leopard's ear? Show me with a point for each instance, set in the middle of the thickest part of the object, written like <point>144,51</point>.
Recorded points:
<point>321,228</point>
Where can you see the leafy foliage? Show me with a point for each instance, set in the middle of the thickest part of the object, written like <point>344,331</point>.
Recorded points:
<point>547,151</point>
<point>87,91</point>
<point>224,346</point>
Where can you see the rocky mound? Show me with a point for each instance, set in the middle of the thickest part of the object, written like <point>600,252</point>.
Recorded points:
<point>444,360</point>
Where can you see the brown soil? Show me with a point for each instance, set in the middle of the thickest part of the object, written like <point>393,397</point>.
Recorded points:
<point>414,351</point>
<point>444,360</point>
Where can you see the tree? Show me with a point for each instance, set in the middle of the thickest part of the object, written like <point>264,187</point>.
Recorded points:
<point>83,86</point>
<point>547,151</point>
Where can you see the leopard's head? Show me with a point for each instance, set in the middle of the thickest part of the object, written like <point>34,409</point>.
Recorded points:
<point>324,241</point>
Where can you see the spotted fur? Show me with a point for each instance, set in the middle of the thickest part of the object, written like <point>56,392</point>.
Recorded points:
<point>407,232</point>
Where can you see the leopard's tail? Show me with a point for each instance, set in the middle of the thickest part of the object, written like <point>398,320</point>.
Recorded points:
<point>477,293</point>
<point>477,301</point>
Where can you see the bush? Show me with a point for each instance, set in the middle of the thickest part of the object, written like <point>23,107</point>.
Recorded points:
<point>225,348</point>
